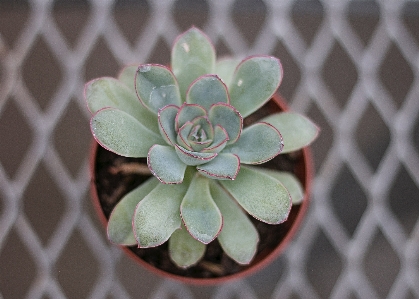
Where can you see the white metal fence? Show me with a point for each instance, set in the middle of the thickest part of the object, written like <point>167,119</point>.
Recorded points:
<point>353,66</point>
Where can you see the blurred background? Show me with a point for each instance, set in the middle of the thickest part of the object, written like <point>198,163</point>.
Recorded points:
<point>352,66</point>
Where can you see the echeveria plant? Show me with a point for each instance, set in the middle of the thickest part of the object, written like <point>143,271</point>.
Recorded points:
<point>188,121</point>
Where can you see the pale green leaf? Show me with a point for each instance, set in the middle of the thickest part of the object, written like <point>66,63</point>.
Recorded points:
<point>184,250</point>
<point>193,158</point>
<point>192,56</point>
<point>109,92</point>
<point>257,144</point>
<point>183,133</point>
<point>120,221</point>
<point>123,134</point>
<point>219,142</point>
<point>238,237</point>
<point>127,76</point>
<point>200,214</point>
<point>157,216</point>
<point>297,130</point>
<point>261,195</point>
<point>187,113</point>
<point>255,81</point>
<point>165,164</point>
<point>225,68</point>
<point>207,90</point>
<point>156,87</point>
<point>167,117</point>
<point>224,167</point>
<point>227,117</point>
<point>290,182</point>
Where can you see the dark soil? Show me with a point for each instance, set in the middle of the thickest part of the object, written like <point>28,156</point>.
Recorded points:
<point>112,185</point>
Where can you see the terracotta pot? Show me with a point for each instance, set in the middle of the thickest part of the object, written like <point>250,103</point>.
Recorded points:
<point>301,164</point>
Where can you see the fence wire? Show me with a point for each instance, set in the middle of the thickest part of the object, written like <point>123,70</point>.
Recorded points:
<point>352,66</point>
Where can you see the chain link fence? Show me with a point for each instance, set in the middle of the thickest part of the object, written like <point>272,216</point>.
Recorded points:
<point>352,66</point>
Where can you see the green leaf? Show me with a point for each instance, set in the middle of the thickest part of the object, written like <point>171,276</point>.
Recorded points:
<point>127,76</point>
<point>109,92</point>
<point>219,142</point>
<point>239,237</point>
<point>184,250</point>
<point>200,214</point>
<point>193,158</point>
<point>290,182</point>
<point>261,195</point>
<point>257,144</point>
<point>297,130</point>
<point>167,117</point>
<point>122,134</point>
<point>165,164</point>
<point>255,81</point>
<point>183,133</point>
<point>192,56</point>
<point>156,87</point>
<point>225,68</point>
<point>157,216</point>
<point>120,221</point>
<point>188,112</point>
<point>227,117</point>
<point>207,90</point>
<point>223,167</point>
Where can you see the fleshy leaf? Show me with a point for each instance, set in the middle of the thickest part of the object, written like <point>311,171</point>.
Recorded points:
<point>200,214</point>
<point>198,146</point>
<point>165,164</point>
<point>188,112</point>
<point>184,250</point>
<point>290,182</point>
<point>193,158</point>
<point>207,90</point>
<point>227,117</point>
<point>225,68</point>
<point>156,87</point>
<point>109,92</point>
<point>239,237</point>
<point>254,82</point>
<point>202,122</point>
<point>257,144</point>
<point>120,221</point>
<point>297,130</point>
<point>261,195</point>
<point>156,217</point>
<point>219,142</point>
<point>183,133</point>
<point>224,167</point>
<point>166,117</point>
<point>127,76</point>
<point>122,134</point>
<point>192,56</point>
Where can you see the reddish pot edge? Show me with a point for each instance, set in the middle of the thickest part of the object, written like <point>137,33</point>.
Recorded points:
<point>252,269</point>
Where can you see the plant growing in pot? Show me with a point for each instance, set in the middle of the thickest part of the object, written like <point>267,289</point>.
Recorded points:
<point>202,180</point>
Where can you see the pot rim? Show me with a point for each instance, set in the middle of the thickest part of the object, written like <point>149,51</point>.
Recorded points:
<point>253,268</point>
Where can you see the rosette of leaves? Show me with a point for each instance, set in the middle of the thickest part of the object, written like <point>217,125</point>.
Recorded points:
<point>188,121</point>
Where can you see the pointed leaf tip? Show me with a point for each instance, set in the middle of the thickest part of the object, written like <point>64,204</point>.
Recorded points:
<point>200,214</point>
<point>165,164</point>
<point>122,134</point>
<point>119,227</point>
<point>254,82</point>
<point>262,196</point>
<point>297,130</point>
<point>156,217</point>
<point>156,87</point>
<point>192,56</point>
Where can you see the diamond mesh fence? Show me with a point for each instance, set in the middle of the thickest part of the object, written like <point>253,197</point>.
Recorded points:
<point>352,66</point>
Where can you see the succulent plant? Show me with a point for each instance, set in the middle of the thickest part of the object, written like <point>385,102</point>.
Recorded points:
<point>188,121</point>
